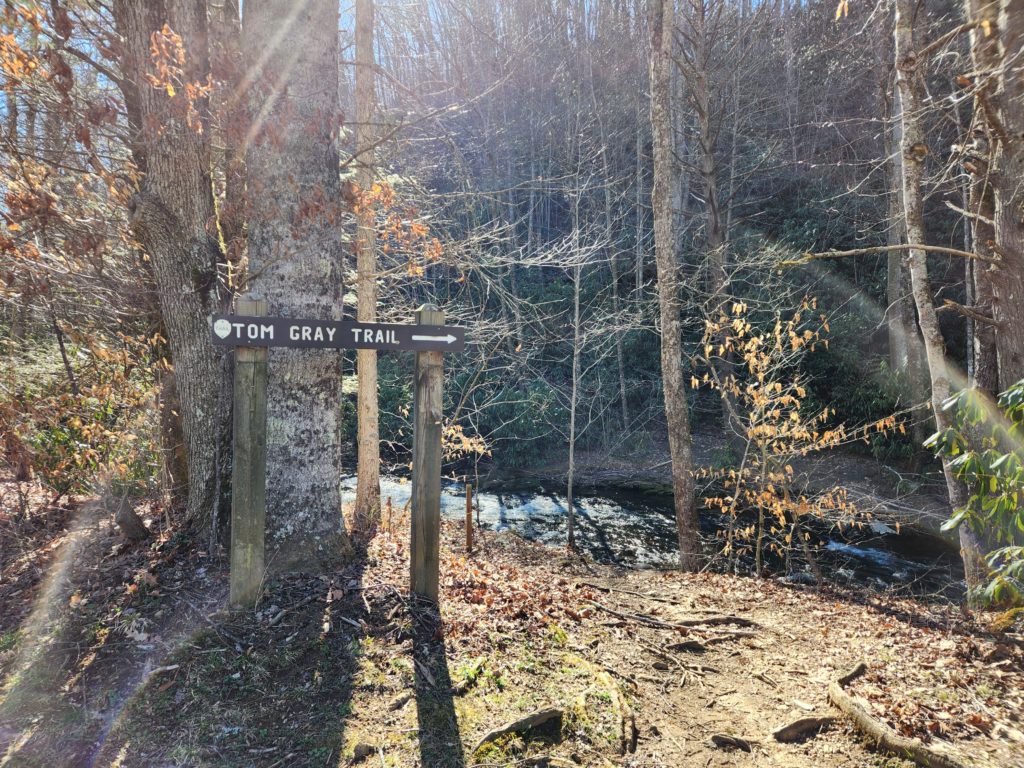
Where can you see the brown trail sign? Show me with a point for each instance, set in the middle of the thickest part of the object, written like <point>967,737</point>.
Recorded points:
<point>254,331</point>
<point>251,333</point>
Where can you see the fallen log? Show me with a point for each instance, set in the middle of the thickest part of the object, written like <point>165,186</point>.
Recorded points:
<point>523,724</point>
<point>802,728</point>
<point>884,736</point>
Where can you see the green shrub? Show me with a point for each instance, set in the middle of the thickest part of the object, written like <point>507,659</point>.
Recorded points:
<point>985,446</point>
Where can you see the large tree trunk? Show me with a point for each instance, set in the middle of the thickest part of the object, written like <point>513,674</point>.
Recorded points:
<point>985,371</point>
<point>985,55</point>
<point>662,14</point>
<point>231,123</point>
<point>173,217</point>
<point>913,150</point>
<point>296,263</point>
<point>368,480</point>
<point>1009,198</point>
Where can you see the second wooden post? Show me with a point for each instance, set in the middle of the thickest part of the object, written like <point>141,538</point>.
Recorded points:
<point>249,466</point>
<point>426,463</point>
<point>469,518</point>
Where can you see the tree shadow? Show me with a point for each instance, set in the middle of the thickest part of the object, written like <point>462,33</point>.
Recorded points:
<point>439,740</point>
<point>292,661</point>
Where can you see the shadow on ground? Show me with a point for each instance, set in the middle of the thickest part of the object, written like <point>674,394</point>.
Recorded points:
<point>439,741</point>
<point>265,687</point>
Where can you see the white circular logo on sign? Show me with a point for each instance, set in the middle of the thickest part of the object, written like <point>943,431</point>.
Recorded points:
<point>222,328</point>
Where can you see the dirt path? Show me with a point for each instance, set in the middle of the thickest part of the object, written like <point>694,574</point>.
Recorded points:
<point>344,670</point>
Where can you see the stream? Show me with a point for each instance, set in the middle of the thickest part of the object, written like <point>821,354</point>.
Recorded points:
<point>633,529</point>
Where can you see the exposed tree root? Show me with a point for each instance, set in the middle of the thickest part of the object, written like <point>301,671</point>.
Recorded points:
<point>684,625</point>
<point>884,736</point>
<point>523,724</point>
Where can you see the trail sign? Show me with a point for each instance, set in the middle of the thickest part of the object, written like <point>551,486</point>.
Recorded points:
<point>250,335</point>
<point>254,331</point>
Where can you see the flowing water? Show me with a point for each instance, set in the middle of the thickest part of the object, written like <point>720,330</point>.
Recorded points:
<point>637,530</point>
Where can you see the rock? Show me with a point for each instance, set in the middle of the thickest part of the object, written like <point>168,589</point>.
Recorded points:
<point>802,728</point>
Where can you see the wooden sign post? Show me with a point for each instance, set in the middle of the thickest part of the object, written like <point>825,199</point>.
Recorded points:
<point>249,465</point>
<point>426,463</point>
<point>250,332</point>
<point>469,518</point>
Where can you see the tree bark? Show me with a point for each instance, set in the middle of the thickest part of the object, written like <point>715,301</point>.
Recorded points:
<point>577,277</point>
<point>1009,195</point>
<point>906,351</point>
<point>913,150</point>
<point>696,66</point>
<point>613,250</point>
<point>367,507</point>
<point>296,264</point>
<point>231,122</point>
<point>173,218</point>
<point>662,13</point>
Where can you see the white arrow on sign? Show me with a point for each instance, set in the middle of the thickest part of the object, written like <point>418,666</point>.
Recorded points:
<point>447,339</point>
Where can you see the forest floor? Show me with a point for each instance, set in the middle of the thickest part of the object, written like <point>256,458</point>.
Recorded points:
<point>123,655</point>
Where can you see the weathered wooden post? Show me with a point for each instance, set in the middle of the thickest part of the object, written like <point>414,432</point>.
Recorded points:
<point>469,518</point>
<point>426,463</point>
<point>249,465</point>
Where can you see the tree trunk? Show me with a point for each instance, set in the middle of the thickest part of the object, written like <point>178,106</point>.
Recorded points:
<point>1009,195</point>
<point>906,351</point>
<point>613,251</point>
<point>697,72</point>
<point>789,18</point>
<point>913,150</point>
<point>367,507</point>
<point>232,124</point>
<point>173,216</point>
<point>573,398</point>
<point>296,263</point>
<point>662,14</point>
<point>981,204</point>
<point>638,243</point>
